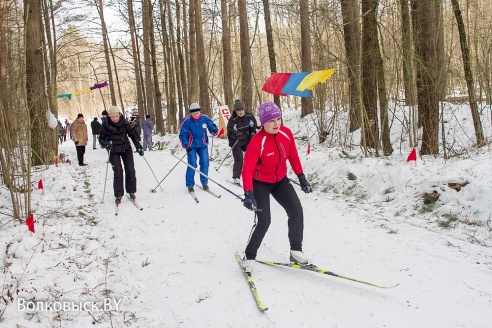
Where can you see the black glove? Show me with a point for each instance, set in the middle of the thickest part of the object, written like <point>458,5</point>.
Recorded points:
<point>305,186</point>
<point>239,135</point>
<point>249,200</point>
<point>215,132</point>
<point>188,150</point>
<point>76,143</point>
<point>140,151</point>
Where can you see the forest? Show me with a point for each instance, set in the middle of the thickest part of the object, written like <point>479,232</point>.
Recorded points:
<point>158,57</point>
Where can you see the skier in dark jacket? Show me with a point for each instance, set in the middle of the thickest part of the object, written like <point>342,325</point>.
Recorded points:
<point>240,129</point>
<point>114,137</point>
<point>96,129</point>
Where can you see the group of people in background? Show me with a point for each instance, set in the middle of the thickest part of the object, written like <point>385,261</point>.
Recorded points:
<point>260,158</point>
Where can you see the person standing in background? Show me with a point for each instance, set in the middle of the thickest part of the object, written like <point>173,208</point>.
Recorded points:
<point>240,129</point>
<point>147,127</point>
<point>80,137</point>
<point>96,129</point>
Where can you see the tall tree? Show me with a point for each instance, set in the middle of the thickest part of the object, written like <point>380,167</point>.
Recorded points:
<point>183,62</point>
<point>246,69</point>
<point>351,36</point>
<point>100,10</point>
<point>408,70</point>
<point>149,82</point>
<point>42,143</point>
<point>425,20</point>
<point>465,54</point>
<point>306,60</point>
<point>200,56</point>
<point>270,44</point>
<point>157,96</point>
<point>136,62</point>
<point>176,60</point>
<point>226,54</point>
<point>370,50</point>
<point>193,67</point>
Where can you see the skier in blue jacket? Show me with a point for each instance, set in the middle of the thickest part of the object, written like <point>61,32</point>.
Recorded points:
<point>193,136</point>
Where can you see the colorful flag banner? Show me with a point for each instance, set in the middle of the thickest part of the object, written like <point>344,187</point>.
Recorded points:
<point>79,92</point>
<point>30,223</point>
<point>295,84</point>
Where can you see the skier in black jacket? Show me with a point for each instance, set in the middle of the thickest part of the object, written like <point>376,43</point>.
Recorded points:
<point>114,137</point>
<point>96,129</point>
<point>240,129</point>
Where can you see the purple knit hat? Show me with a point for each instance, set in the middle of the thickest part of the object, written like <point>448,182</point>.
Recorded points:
<point>268,111</point>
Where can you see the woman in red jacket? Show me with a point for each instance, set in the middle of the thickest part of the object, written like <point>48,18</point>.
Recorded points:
<point>264,174</point>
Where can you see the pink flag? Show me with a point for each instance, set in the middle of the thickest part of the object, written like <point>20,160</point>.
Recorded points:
<point>412,156</point>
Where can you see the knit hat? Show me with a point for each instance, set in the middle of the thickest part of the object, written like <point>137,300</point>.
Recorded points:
<point>194,107</point>
<point>80,115</point>
<point>104,112</point>
<point>148,116</point>
<point>113,111</point>
<point>239,105</point>
<point>268,111</point>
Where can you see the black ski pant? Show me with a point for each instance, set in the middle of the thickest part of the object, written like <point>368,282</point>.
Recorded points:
<point>237,153</point>
<point>80,154</point>
<point>283,192</point>
<point>130,179</point>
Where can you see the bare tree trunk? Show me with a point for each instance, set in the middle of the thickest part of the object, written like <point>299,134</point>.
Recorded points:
<point>370,50</point>
<point>425,20</point>
<point>41,142</point>
<point>106,52</point>
<point>227,54</point>
<point>136,64</point>
<point>270,44</point>
<point>465,53</point>
<point>177,61</point>
<point>202,69</point>
<point>169,75</point>
<point>383,105</point>
<point>193,73</point>
<point>306,61</point>
<point>149,82</point>
<point>159,122</point>
<point>120,94</point>
<point>51,70</point>
<point>183,63</point>
<point>351,36</point>
<point>408,71</point>
<point>246,70</point>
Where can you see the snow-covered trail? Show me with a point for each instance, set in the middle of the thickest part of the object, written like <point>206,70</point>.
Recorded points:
<point>173,263</point>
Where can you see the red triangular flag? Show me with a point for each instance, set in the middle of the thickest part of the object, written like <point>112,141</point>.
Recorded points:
<point>309,148</point>
<point>40,184</point>
<point>412,156</point>
<point>30,223</point>
<point>221,132</point>
<point>56,161</point>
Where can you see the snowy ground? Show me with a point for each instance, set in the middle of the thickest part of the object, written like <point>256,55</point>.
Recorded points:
<point>173,265</point>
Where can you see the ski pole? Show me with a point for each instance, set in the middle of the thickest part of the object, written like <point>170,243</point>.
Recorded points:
<point>153,190</point>
<point>211,149</point>
<point>151,171</point>
<point>105,177</point>
<point>297,183</point>
<point>206,176</point>
<point>217,169</point>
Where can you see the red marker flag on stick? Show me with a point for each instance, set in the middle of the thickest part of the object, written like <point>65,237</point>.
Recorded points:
<point>309,148</point>
<point>412,156</point>
<point>40,185</point>
<point>221,132</point>
<point>30,223</point>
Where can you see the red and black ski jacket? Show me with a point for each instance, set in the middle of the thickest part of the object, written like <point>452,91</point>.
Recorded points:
<point>266,157</point>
